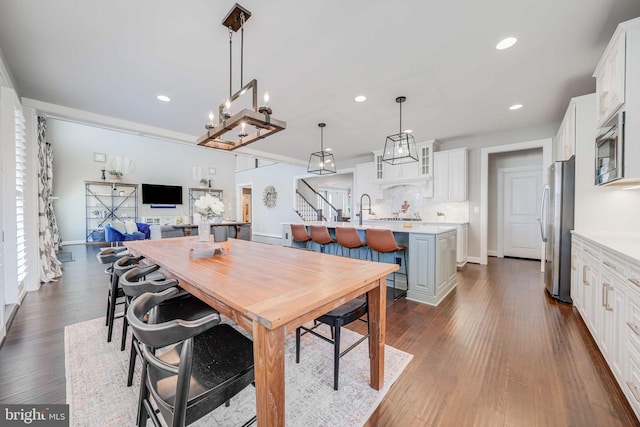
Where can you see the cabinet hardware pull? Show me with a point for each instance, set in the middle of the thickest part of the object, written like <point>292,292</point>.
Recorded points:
<point>584,275</point>
<point>604,295</point>
<point>608,264</point>
<point>634,281</point>
<point>607,288</point>
<point>634,328</point>
<point>634,390</point>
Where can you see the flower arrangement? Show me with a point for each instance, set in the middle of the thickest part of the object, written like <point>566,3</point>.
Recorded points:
<point>115,172</point>
<point>209,206</point>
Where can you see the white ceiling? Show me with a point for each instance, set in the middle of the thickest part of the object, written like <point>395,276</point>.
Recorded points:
<point>114,57</point>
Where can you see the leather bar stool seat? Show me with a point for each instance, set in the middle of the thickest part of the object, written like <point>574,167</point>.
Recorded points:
<point>348,238</point>
<point>383,241</point>
<point>320,235</point>
<point>299,234</point>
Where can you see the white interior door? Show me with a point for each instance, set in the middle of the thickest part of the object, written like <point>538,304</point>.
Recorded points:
<point>520,230</point>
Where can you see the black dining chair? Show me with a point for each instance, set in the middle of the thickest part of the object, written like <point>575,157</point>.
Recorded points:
<point>336,319</point>
<point>109,256</point>
<point>137,281</point>
<point>208,364</point>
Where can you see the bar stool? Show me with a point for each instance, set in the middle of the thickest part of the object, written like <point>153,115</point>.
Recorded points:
<point>320,235</point>
<point>383,241</point>
<point>109,256</point>
<point>299,234</point>
<point>348,238</point>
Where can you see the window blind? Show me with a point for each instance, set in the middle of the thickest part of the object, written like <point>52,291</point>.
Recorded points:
<point>21,158</point>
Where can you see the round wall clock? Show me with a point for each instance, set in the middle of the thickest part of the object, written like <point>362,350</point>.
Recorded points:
<point>270,196</point>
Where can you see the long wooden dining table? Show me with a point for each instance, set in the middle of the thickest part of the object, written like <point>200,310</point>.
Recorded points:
<point>270,291</point>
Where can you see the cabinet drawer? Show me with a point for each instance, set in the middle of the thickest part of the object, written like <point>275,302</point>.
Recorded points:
<point>631,384</point>
<point>633,319</point>
<point>592,251</point>
<point>633,277</point>
<point>613,265</point>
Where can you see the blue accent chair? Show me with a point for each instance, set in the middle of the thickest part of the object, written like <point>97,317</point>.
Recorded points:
<point>113,235</point>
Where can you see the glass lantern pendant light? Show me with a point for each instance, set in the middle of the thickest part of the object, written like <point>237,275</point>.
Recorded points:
<point>400,147</point>
<point>321,162</point>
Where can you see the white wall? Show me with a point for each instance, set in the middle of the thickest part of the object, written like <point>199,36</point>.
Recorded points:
<point>267,223</point>
<point>499,161</point>
<point>156,162</point>
<point>599,208</point>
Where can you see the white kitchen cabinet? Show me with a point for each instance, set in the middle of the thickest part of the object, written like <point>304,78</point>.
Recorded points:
<point>432,266</point>
<point>607,294</point>
<point>566,136</point>
<point>462,241</point>
<point>450,175</point>
<point>365,182</point>
<point>618,90</point>
<point>423,168</point>
<point>610,78</point>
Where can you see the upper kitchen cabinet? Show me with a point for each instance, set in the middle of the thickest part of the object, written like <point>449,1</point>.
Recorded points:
<point>618,107</point>
<point>365,182</point>
<point>610,78</point>
<point>423,168</point>
<point>450,175</point>
<point>566,137</point>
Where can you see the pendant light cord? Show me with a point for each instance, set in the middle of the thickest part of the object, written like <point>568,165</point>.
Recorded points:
<point>400,116</point>
<point>322,140</point>
<point>230,60</point>
<point>241,49</point>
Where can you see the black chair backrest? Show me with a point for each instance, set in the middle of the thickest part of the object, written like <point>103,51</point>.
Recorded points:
<point>125,263</point>
<point>167,333</point>
<point>110,255</point>
<point>134,284</point>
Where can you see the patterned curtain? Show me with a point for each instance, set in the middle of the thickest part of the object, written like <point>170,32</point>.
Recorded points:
<point>50,267</point>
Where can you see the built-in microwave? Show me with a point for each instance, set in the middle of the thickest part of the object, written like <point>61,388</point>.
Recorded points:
<point>610,150</point>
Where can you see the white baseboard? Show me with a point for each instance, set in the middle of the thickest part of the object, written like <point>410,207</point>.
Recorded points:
<point>473,259</point>
<point>492,253</point>
<point>76,242</point>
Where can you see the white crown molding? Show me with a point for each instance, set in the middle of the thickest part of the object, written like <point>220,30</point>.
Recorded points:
<point>6,79</point>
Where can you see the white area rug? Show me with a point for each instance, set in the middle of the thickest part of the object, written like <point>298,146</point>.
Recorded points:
<point>98,396</point>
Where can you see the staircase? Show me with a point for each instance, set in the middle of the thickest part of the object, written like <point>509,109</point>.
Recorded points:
<point>313,206</point>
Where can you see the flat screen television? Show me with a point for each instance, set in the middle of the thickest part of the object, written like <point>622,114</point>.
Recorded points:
<point>153,194</point>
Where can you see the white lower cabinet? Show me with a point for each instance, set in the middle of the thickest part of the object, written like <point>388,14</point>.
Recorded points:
<point>605,292</point>
<point>432,266</point>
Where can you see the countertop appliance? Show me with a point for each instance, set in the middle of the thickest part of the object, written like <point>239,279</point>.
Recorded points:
<point>556,223</point>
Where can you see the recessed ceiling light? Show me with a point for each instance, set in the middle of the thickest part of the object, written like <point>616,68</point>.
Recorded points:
<point>360,98</point>
<point>515,107</point>
<point>163,98</point>
<point>506,43</point>
<point>408,130</point>
<point>327,149</point>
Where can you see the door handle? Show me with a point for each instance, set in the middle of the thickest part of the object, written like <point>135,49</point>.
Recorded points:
<point>541,220</point>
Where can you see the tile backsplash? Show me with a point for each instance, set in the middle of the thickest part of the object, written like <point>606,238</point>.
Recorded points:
<point>394,198</point>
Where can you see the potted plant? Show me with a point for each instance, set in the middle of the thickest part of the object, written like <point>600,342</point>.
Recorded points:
<point>115,175</point>
<point>440,216</point>
<point>204,182</point>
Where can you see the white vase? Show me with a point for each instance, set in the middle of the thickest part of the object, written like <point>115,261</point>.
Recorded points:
<point>204,231</point>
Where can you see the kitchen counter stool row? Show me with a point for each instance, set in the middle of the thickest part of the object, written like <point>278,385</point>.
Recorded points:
<point>377,241</point>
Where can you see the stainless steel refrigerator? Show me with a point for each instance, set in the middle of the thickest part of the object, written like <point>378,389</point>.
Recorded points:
<point>556,223</point>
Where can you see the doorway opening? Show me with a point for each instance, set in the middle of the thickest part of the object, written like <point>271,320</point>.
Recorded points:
<point>545,144</point>
<point>244,202</point>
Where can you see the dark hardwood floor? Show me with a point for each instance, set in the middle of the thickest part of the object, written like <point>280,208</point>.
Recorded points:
<point>496,352</point>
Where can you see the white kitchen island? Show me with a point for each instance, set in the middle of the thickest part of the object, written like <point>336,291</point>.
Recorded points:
<point>431,256</point>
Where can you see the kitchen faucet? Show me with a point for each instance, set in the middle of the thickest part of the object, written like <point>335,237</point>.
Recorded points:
<point>369,209</point>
